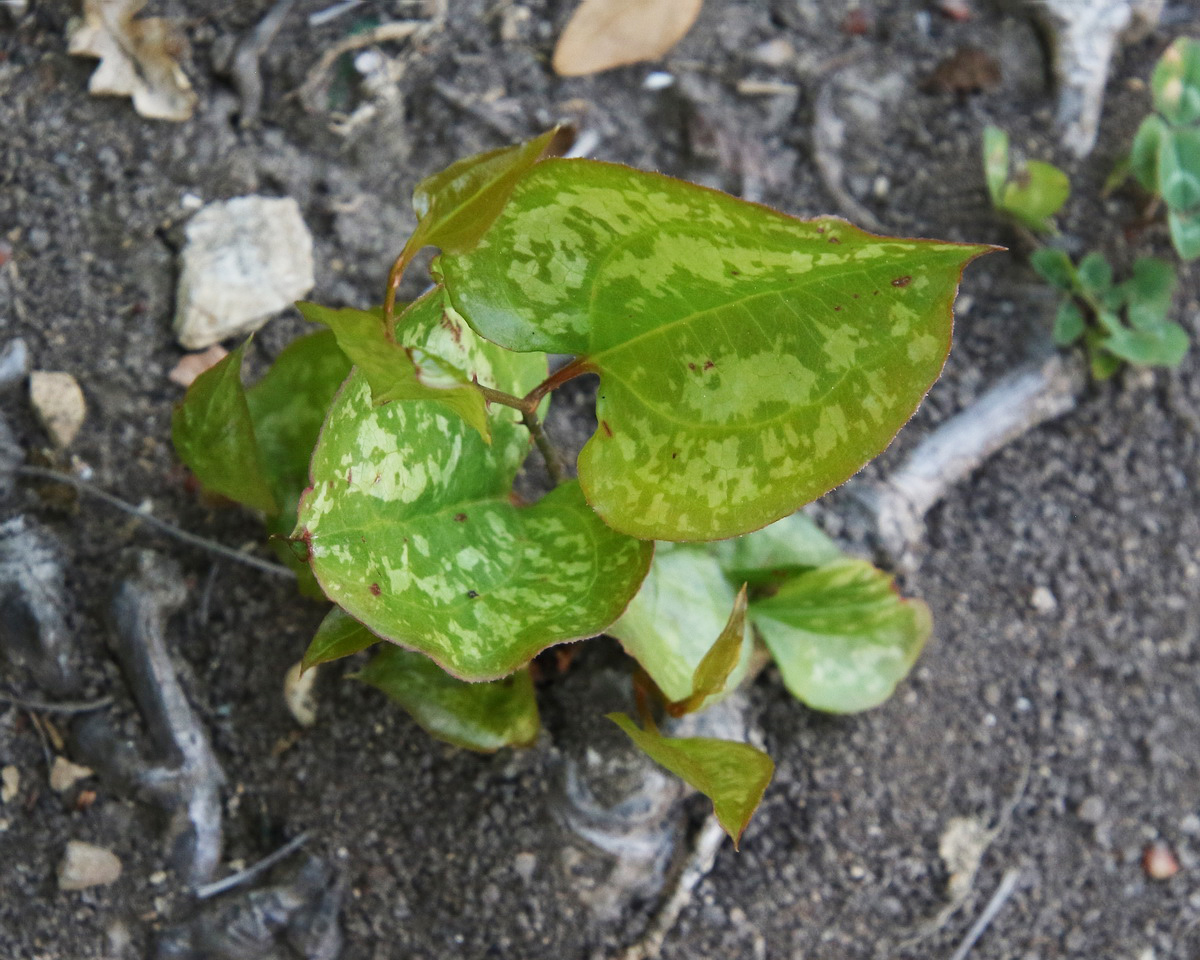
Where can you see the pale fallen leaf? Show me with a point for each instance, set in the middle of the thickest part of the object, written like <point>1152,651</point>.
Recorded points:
<point>191,365</point>
<point>298,694</point>
<point>64,774</point>
<point>603,34</point>
<point>138,58</point>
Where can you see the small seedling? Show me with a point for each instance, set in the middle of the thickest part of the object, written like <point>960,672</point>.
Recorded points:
<point>1165,157</point>
<point>1031,195</point>
<point>1116,321</point>
<point>748,362</point>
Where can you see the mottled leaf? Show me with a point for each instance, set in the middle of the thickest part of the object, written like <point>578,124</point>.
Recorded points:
<point>995,162</point>
<point>711,677</point>
<point>786,547</point>
<point>1143,156</point>
<point>478,716</point>
<point>1036,194</point>
<point>1068,323</point>
<point>732,775</point>
<point>1176,82</point>
<point>603,34</point>
<point>671,624</point>
<point>403,369</point>
<point>841,635</point>
<point>214,435</point>
<point>1185,233</point>
<point>749,361</point>
<point>411,530</point>
<point>339,635</point>
<point>1179,169</point>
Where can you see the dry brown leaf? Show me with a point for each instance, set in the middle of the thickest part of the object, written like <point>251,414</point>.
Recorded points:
<point>603,34</point>
<point>191,365</point>
<point>138,58</point>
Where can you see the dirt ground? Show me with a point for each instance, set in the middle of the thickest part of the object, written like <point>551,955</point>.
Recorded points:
<point>1070,725</point>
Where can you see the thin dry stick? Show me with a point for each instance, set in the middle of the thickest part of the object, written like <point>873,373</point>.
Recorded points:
<point>698,866</point>
<point>47,706</point>
<point>203,543</point>
<point>247,76</point>
<point>384,33</point>
<point>1008,886</point>
<point>251,872</point>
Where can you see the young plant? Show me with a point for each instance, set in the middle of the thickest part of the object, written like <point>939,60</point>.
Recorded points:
<point>1031,195</point>
<point>1165,157</point>
<point>1124,321</point>
<point>748,362</point>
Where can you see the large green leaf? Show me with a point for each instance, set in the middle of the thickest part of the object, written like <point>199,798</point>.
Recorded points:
<point>788,546</point>
<point>214,435</point>
<point>749,361</point>
<point>841,635</point>
<point>478,716</point>
<point>1176,82</point>
<point>732,775</point>
<point>410,529</point>
<point>411,366</point>
<point>1179,169</point>
<point>287,407</point>
<point>680,611</point>
<point>339,635</point>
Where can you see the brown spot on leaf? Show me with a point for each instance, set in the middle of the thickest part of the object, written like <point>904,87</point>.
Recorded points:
<point>607,429</point>
<point>349,477</point>
<point>734,273</point>
<point>708,365</point>
<point>834,240</point>
<point>454,328</point>
<point>460,518</point>
<point>471,594</point>
<point>837,308</point>
<point>691,366</point>
<point>375,591</point>
<point>902,281</point>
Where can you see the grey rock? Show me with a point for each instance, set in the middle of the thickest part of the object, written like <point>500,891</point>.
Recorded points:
<point>14,364</point>
<point>245,259</point>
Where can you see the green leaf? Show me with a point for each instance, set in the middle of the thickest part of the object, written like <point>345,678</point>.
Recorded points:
<point>786,547</point>
<point>1162,346</point>
<point>749,361</point>
<point>1143,157</point>
<point>214,436</point>
<point>1036,194</point>
<point>1055,267</point>
<point>287,407</point>
<point>732,775</point>
<point>1095,274</point>
<point>411,367</point>
<point>1102,363</point>
<point>711,678</point>
<point>1068,323</point>
<point>339,635</point>
<point>1148,292</point>
<point>1118,175</point>
<point>1179,169</point>
<point>478,716</point>
<point>411,530</point>
<point>670,625</point>
<point>1176,82</point>
<point>995,162</point>
<point>842,636</point>
<point>1185,233</point>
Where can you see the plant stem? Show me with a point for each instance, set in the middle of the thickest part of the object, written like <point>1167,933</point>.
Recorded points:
<point>549,454</point>
<point>205,544</point>
<point>505,399</point>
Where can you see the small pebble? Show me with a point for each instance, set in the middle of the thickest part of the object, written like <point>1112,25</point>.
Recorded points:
<point>1042,600</point>
<point>298,694</point>
<point>10,783</point>
<point>774,53</point>
<point>59,404</point>
<point>14,364</point>
<point>525,864</point>
<point>191,365</point>
<point>87,865</point>
<point>658,80</point>
<point>1159,861</point>
<point>1091,810</point>
<point>64,774</point>
<point>1190,825</point>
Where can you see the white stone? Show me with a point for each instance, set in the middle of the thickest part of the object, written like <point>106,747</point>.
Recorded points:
<point>64,774</point>
<point>59,404</point>
<point>1042,600</point>
<point>10,784</point>
<point>245,260</point>
<point>87,865</point>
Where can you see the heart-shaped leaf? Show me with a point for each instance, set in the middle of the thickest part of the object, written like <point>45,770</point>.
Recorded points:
<point>397,369</point>
<point>1185,233</point>
<point>749,361</point>
<point>1179,169</point>
<point>1036,194</point>
<point>214,435</point>
<point>683,606</point>
<point>786,547</point>
<point>1069,323</point>
<point>1176,82</point>
<point>478,716</point>
<point>411,531</point>
<point>1143,155</point>
<point>732,775</point>
<point>1148,292</point>
<point>339,635</point>
<point>841,635</point>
